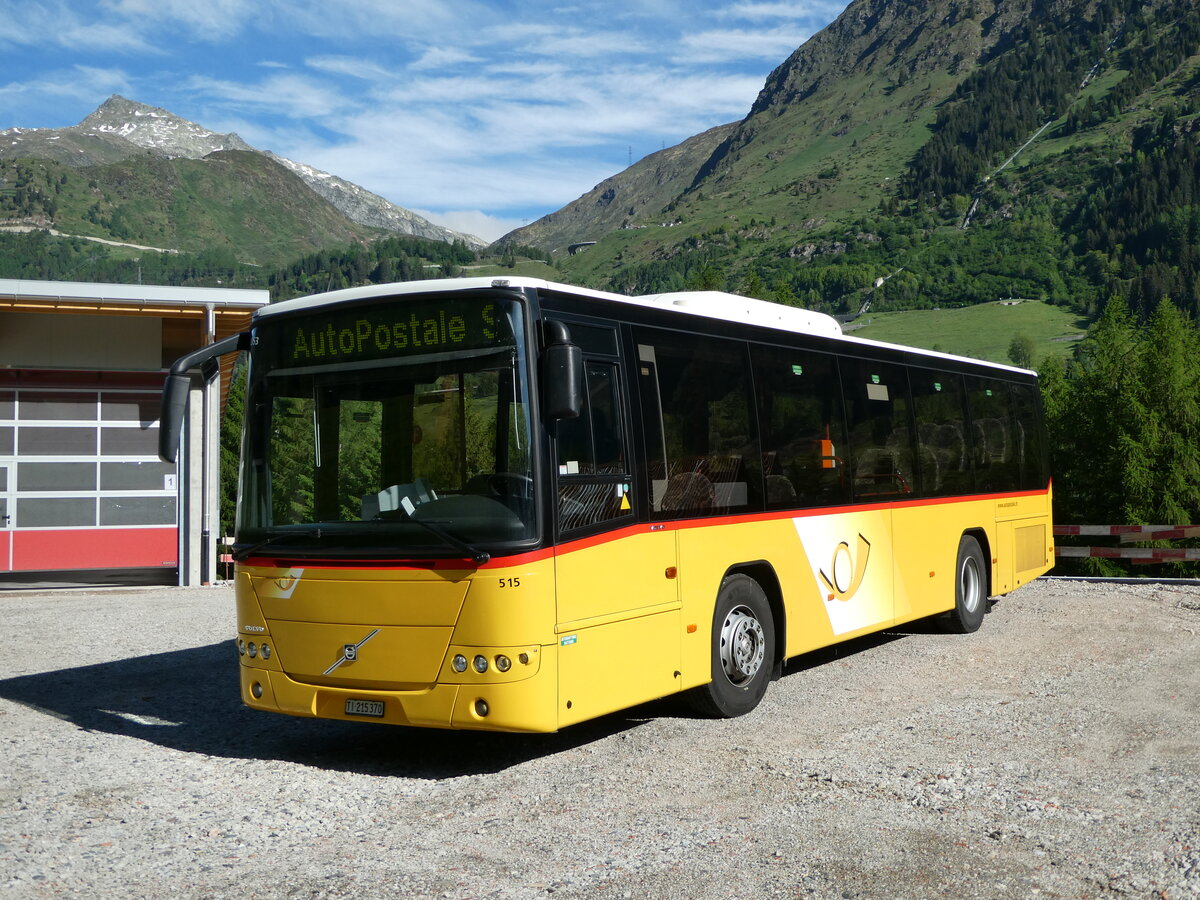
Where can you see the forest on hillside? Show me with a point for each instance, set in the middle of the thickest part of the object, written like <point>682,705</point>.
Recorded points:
<point>41,256</point>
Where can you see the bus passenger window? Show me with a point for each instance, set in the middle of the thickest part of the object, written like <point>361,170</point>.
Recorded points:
<point>877,404</point>
<point>995,443</point>
<point>939,403</point>
<point>803,435</point>
<point>1031,449</point>
<point>702,456</point>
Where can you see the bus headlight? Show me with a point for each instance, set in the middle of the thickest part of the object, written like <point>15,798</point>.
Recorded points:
<point>481,664</point>
<point>459,663</point>
<point>503,663</point>
<point>265,650</point>
<point>252,649</point>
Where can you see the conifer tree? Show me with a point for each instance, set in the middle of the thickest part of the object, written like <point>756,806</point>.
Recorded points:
<point>1092,424</point>
<point>1162,483</point>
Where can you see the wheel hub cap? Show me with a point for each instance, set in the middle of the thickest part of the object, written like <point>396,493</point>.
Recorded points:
<point>743,645</point>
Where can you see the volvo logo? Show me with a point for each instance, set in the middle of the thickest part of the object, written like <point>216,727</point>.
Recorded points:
<point>350,652</point>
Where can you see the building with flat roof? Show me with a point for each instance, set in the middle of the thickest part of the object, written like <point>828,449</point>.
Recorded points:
<point>81,370</point>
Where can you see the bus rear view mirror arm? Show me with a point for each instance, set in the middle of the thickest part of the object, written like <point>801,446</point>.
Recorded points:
<point>178,383</point>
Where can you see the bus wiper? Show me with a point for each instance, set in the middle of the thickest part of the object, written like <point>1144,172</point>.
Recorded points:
<point>240,553</point>
<point>477,556</point>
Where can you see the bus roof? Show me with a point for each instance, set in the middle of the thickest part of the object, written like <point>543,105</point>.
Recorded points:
<point>709,304</point>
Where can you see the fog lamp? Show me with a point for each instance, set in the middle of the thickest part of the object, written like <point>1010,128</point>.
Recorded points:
<point>257,690</point>
<point>481,708</point>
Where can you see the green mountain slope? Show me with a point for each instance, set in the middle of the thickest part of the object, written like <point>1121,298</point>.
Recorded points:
<point>188,192</point>
<point>962,152</point>
<point>236,200</point>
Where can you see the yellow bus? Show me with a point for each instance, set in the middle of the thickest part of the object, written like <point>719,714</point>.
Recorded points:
<point>514,505</point>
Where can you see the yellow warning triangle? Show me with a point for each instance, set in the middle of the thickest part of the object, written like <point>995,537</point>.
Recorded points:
<point>625,502</point>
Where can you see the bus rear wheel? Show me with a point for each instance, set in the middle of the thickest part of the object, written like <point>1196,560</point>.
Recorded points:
<point>743,648</point>
<point>970,588</point>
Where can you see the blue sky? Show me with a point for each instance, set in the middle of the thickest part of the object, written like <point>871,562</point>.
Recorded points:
<point>483,116</point>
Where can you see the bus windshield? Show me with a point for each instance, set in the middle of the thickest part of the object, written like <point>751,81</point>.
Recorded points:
<point>399,428</point>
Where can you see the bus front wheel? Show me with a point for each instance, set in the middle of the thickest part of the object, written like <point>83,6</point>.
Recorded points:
<point>970,588</point>
<point>743,647</point>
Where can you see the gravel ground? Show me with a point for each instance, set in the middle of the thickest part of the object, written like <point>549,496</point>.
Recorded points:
<point>1053,754</point>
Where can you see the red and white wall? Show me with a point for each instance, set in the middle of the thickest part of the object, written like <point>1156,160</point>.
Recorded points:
<point>81,370</point>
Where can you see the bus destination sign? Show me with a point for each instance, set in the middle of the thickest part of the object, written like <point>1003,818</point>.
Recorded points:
<point>391,330</point>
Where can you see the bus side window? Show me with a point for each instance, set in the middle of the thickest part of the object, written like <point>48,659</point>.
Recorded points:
<point>939,404</point>
<point>593,477</point>
<point>702,454</point>
<point>803,434</point>
<point>993,438</point>
<point>1031,449</point>
<point>877,405</point>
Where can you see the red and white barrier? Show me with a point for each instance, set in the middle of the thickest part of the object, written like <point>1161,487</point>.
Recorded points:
<point>1128,534</point>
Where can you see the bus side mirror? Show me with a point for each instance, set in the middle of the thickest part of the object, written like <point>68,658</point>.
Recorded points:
<point>170,423</point>
<point>177,384</point>
<point>562,374</point>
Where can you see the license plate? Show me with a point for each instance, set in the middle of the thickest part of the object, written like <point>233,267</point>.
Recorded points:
<point>364,708</point>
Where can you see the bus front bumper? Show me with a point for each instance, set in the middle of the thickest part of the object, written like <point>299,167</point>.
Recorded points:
<point>529,705</point>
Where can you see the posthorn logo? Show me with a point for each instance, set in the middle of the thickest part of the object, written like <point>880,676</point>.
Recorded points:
<point>847,570</point>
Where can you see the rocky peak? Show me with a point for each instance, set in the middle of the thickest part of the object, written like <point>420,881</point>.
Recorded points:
<point>156,129</point>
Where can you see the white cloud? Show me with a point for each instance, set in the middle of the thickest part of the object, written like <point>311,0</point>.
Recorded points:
<point>823,10</point>
<point>352,66</point>
<point>570,42</point>
<point>291,95</point>
<point>443,58</point>
<point>473,221</point>
<point>714,46</point>
<point>57,23</point>
<point>376,20</point>
<point>79,87</point>
<point>207,20</point>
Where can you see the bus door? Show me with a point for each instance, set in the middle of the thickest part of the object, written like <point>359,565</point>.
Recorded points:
<point>617,602</point>
<point>6,510</point>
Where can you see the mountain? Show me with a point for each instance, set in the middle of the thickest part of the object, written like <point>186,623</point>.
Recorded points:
<point>155,129</point>
<point>851,97</point>
<point>122,133</point>
<point>929,153</point>
<point>628,198</point>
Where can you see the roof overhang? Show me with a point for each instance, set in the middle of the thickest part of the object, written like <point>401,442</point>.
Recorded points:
<point>20,295</point>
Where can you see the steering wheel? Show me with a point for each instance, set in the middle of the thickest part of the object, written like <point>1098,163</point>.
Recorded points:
<point>511,484</point>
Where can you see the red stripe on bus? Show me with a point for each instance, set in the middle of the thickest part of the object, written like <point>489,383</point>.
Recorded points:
<point>521,559</point>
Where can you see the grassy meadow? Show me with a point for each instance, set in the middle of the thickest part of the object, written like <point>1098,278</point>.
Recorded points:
<point>983,331</point>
